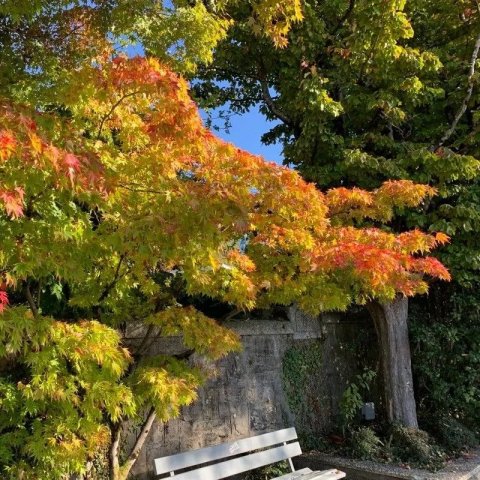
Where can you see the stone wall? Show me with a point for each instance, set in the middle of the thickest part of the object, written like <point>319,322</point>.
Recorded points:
<point>247,397</point>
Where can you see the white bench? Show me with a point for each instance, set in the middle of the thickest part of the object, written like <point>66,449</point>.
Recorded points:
<point>241,456</point>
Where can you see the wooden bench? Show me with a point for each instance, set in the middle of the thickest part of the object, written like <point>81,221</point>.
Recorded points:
<point>241,456</point>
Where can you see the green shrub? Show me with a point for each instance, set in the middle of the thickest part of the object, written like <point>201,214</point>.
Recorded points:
<point>312,441</point>
<point>365,444</point>
<point>451,434</point>
<point>414,446</point>
<point>445,340</point>
<point>353,398</point>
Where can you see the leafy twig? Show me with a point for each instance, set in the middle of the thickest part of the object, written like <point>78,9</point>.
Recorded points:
<point>114,106</point>
<point>116,277</point>
<point>347,13</point>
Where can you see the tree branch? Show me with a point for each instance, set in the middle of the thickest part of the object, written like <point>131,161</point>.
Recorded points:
<point>344,17</point>
<point>114,106</point>
<point>231,314</point>
<point>463,108</point>
<point>146,341</point>
<point>140,190</point>
<point>267,98</point>
<point>114,452</point>
<point>116,277</point>
<point>145,430</point>
<point>30,300</point>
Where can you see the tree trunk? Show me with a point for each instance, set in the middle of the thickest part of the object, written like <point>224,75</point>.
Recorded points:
<point>121,472</point>
<point>392,330</point>
<point>137,448</point>
<point>114,453</point>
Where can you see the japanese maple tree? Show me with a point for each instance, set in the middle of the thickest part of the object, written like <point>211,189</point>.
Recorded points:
<point>110,213</point>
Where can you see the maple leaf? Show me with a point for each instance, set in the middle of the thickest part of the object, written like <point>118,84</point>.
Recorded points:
<point>431,266</point>
<point>35,143</point>
<point>3,300</point>
<point>7,144</point>
<point>72,164</point>
<point>183,202</point>
<point>442,238</point>
<point>405,192</point>
<point>13,201</point>
<point>416,241</point>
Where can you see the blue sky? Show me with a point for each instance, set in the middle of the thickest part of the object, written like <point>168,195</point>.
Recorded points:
<point>245,132</point>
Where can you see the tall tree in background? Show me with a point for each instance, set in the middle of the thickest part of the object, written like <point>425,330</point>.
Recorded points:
<point>367,91</point>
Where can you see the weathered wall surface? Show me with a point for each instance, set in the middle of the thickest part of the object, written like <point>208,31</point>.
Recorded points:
<point>247,397</point>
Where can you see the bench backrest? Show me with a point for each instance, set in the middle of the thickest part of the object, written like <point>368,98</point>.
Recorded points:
<point>280,450</point>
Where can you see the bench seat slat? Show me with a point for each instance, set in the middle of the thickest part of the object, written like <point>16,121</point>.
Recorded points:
<point>225,450</point>
<point>242,464</point>
<point>321,475</point>
<point>294,475</point>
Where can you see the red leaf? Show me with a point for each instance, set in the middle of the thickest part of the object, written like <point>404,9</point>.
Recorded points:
<point>3,300</point>
<point>73,165</point>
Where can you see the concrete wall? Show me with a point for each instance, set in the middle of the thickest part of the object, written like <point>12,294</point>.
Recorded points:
<point>247,396</point>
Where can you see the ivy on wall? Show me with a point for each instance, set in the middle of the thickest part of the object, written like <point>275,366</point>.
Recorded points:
<point>316,376</point>
<point>303,384</point>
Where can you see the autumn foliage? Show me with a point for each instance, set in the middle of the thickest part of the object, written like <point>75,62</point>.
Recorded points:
<point>111,207</point>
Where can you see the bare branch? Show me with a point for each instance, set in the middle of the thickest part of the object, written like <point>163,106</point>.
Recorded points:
<point>271,104</point>
<point>140,190</point>
<point>231,314</point>
<point>114,453</point>
<point>146,341</point>
<point>463,108</point>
